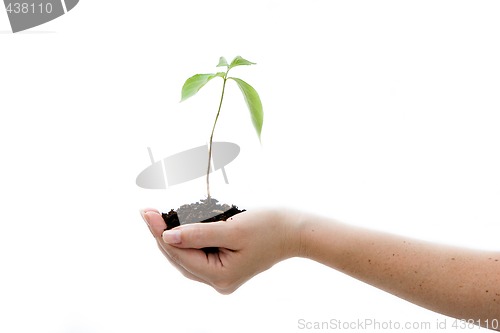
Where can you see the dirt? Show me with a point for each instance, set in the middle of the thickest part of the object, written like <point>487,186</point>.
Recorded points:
<point>204,211</point>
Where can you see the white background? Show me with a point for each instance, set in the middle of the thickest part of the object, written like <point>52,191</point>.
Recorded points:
<point>378,113</point>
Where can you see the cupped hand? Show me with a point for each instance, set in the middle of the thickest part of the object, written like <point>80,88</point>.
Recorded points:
<point>248,243</point>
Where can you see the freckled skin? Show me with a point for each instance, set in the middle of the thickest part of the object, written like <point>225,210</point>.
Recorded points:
<point>457,282</point>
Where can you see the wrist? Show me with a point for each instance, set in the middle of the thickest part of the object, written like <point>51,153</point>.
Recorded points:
<point>292,223</point>
<point>305,228</point>
<point>318,238</point>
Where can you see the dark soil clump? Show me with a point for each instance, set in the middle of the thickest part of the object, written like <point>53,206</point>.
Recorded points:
<point>207,210</point>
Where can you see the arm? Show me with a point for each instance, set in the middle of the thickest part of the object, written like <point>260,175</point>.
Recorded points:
<point>457,282</point>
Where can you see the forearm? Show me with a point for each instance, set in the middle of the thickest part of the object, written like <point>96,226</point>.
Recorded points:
<point>456,282</point>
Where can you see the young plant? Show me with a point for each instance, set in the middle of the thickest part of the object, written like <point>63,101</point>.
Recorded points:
<point>252,99</point>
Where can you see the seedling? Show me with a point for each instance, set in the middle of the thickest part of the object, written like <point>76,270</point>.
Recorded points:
<point>252,99</point>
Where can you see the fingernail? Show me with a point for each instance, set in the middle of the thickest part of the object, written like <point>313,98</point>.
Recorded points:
<point>147,218</point>
<point>172,236</point>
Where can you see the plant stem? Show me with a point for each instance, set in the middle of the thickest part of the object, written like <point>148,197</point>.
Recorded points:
<point>212,135</point>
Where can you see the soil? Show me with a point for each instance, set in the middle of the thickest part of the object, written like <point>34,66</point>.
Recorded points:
<point>204,211</point>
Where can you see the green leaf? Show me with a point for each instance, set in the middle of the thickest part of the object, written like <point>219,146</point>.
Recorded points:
<point>195,83</point>
<point>253,102</point>
<point>222,62</point>
<point>239,61</point>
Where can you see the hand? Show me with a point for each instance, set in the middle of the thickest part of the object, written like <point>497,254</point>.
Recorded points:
<point>249,243</point>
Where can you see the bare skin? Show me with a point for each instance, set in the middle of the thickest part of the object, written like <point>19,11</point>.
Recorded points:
<point>456,282</point>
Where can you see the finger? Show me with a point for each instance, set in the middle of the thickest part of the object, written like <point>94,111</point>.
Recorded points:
<point>211,268</point>
<point>148,209</point>
<point>196,262</point>
<point>155,222</point>
<point>157,225</point>
<point>181,269</point>
<point>200,235</point>
<point>143,215</point>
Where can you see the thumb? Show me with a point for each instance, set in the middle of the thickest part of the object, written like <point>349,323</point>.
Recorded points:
<point>200,235</point>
